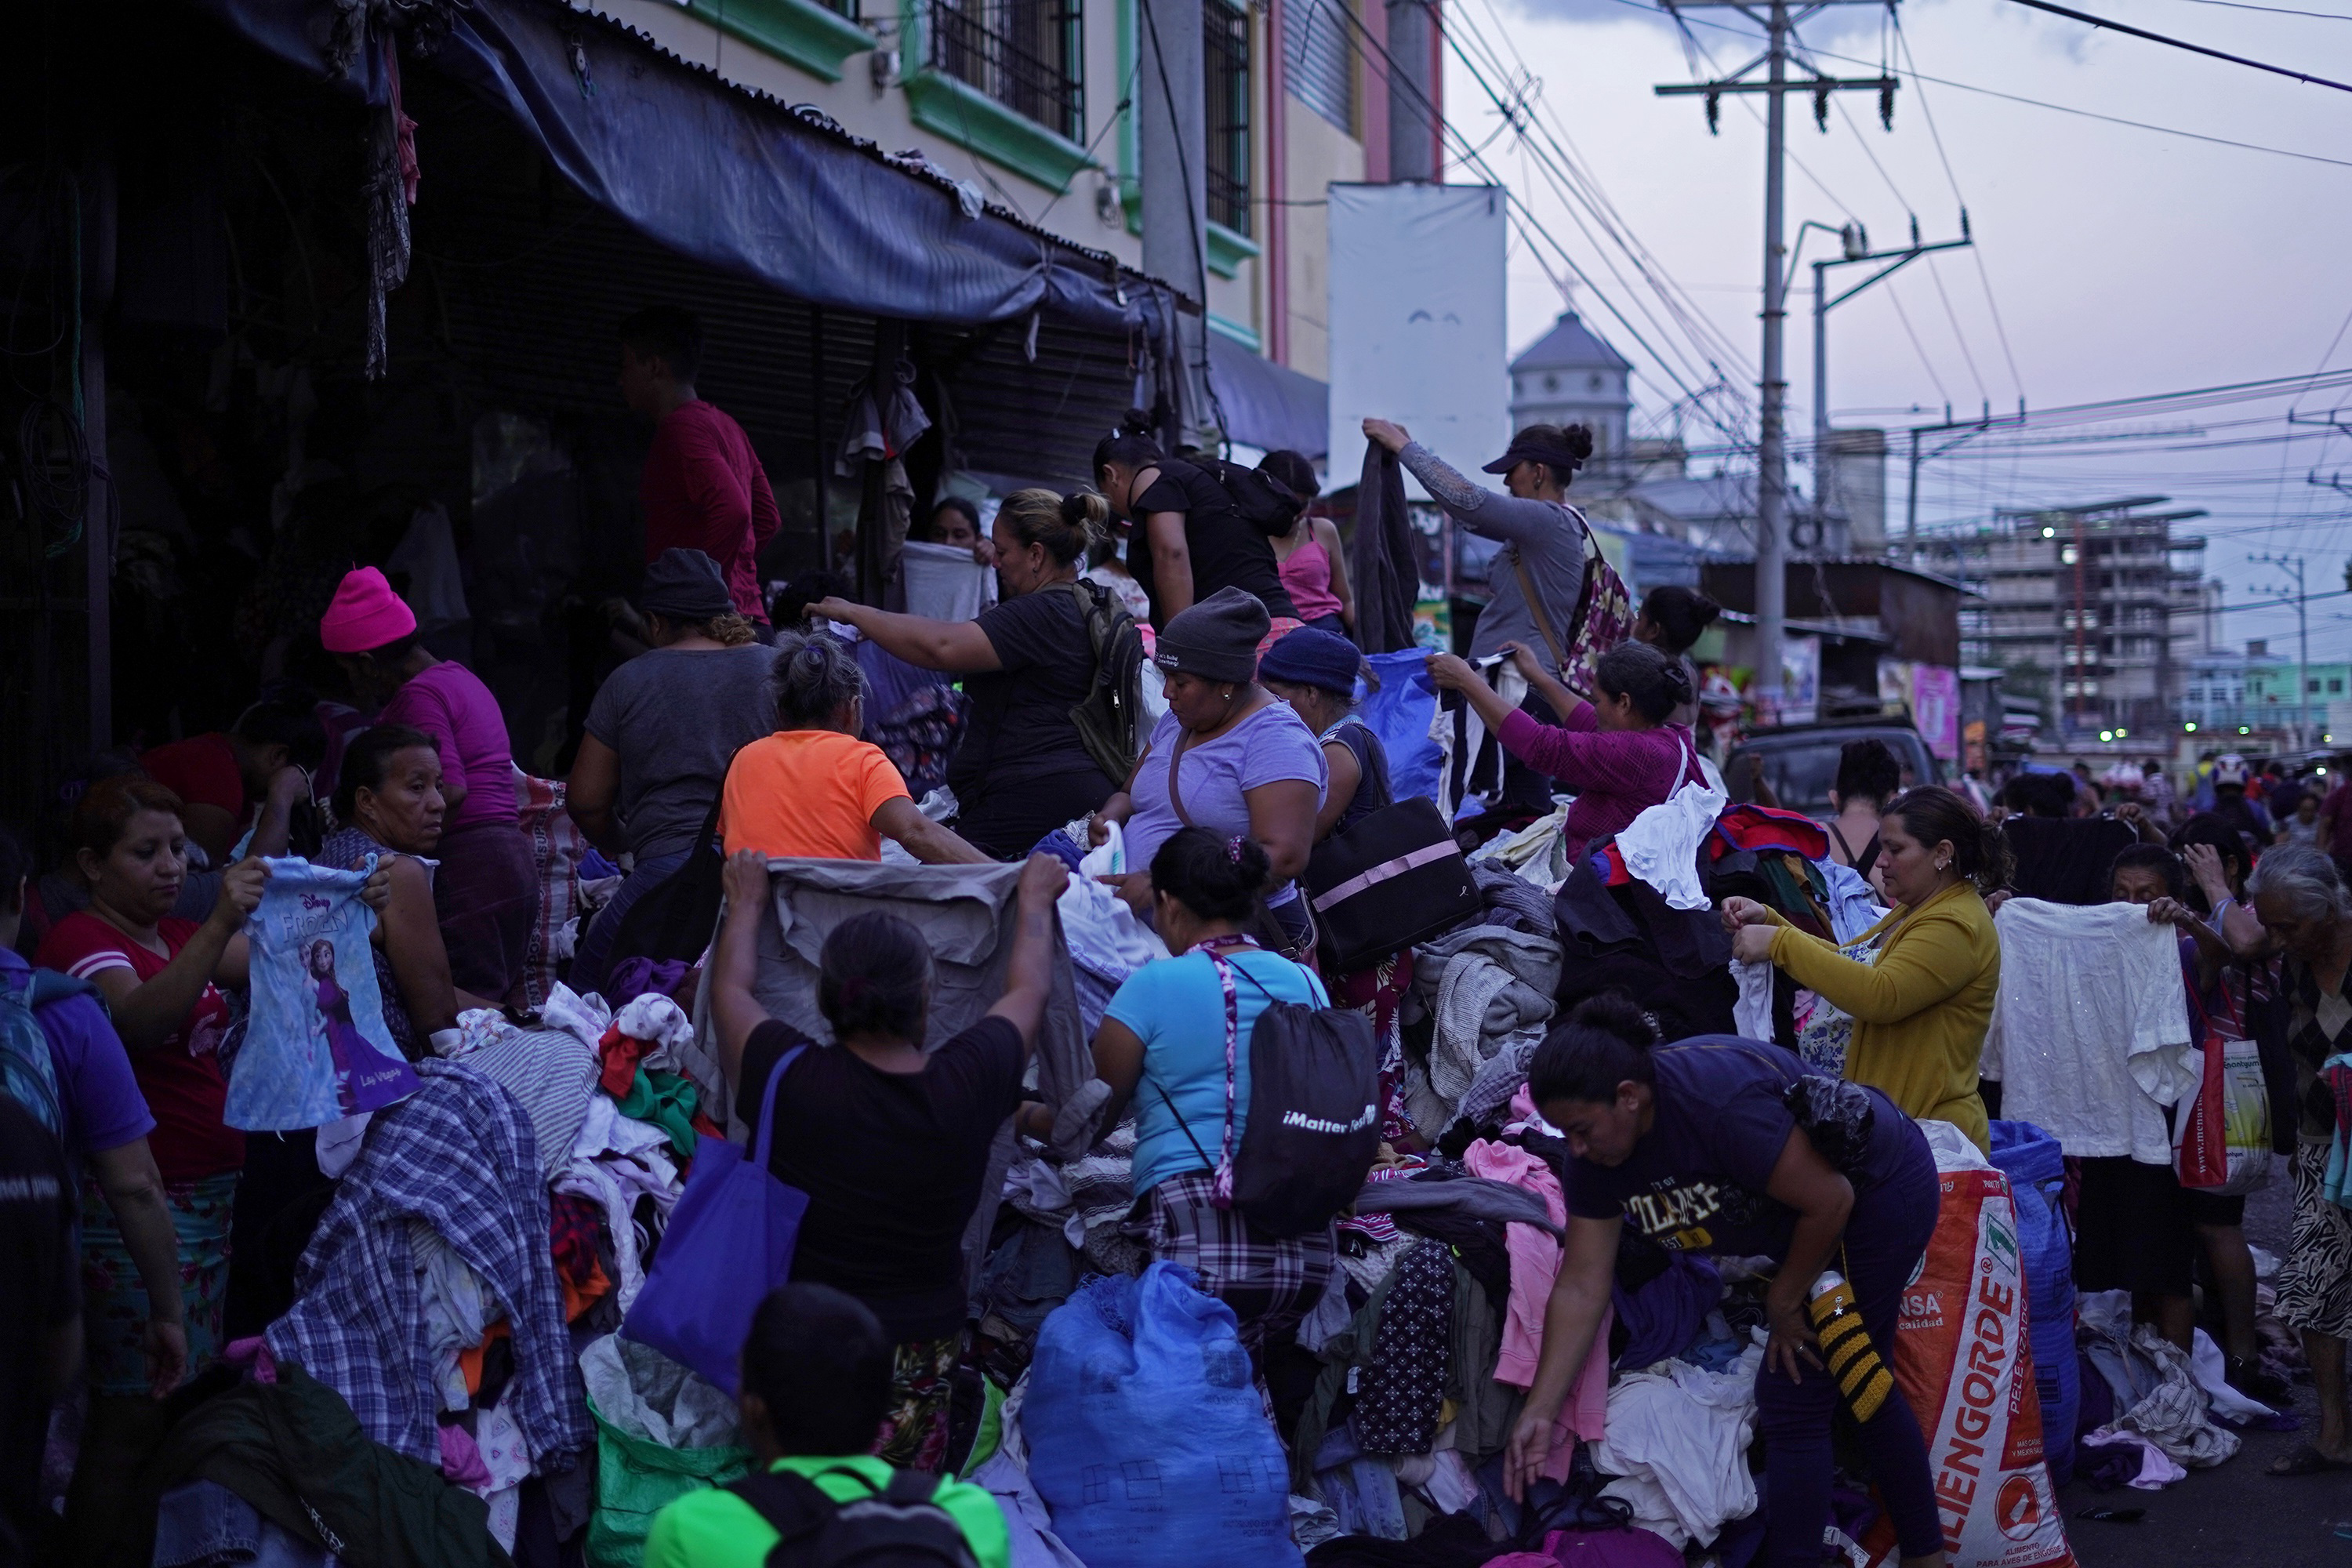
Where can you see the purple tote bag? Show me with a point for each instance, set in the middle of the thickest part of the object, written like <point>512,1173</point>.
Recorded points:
<point>728,1243</point>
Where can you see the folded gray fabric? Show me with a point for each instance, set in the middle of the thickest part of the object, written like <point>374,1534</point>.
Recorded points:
<point>1513,900</point>
<point>1473,1195</point>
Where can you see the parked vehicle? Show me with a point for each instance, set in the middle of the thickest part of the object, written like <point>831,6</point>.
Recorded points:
<point>1801,761</point>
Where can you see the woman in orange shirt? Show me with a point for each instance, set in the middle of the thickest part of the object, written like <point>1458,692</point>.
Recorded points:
<point>813,789</point>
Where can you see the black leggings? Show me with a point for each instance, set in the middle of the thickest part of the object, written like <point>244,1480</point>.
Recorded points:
<point>1885,1239</point>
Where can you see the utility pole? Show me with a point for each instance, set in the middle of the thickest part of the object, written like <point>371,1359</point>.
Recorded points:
<point>1771,451</point>
<point>1856,242</point>
<point>2293,566</point>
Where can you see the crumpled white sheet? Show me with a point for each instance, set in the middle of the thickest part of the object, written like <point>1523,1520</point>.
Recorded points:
<point>2210,1369</point>
<point>586,1018</point>
<point>1103,933</point>
<point>648,1395</point>
<point>1661,845</point>
<point>2174,1417</point>
<point>2157,1469</point>
<point>1752,1013</point>
<point>1677,1443</point>
<point>656,1018</point>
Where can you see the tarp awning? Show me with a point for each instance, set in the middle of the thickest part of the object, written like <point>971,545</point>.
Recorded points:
<point>731,178</point>
<point>1267,406</point>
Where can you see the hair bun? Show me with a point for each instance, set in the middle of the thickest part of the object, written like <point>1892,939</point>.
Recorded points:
<point>1615,1013</point>
<point>1136,422</point>
<point>1579,438</point>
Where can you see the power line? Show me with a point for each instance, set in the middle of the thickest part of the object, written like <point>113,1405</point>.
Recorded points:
<point>2275,10</point>
<point>1920,76</point>
<point>2071,14</point>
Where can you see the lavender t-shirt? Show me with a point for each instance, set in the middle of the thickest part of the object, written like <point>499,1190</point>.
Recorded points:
<point>1271,745</point>
<point>96,1092</point>
<point>450,703</point>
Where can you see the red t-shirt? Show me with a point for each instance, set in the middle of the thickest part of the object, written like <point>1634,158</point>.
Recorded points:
<point>703,488</point>
<point>202,771</point>
<point>181,1077</point>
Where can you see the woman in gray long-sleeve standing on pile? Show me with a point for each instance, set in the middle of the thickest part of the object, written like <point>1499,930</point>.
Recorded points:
<point>1545,545</point>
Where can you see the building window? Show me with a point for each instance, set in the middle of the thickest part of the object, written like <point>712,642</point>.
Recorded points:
<point>1027,55</point>
<point>1224,71</point>
<point>1319,58</point>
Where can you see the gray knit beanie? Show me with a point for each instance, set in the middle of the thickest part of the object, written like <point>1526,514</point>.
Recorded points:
<point>1217,638</point>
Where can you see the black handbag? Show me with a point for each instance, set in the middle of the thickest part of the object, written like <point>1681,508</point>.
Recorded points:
<point>1394,879</point>
<point>676,918</point>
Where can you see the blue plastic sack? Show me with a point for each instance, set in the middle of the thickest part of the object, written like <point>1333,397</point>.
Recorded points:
<point>1147,1440</point>
<point>728,1243</point>
<point>1401,713</point>
<point>316,1048</point>
<point>2035,1166</point>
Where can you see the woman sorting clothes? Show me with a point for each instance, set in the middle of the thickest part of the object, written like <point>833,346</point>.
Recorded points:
<point>1189,542</point>
<point>1618,753</point>
<point>160,978</point>
<point>486,892</point>
<point>889,1144</point>
<point>1694,1146</point>
<point>1537,579</point>
<point>1922,996</point>
<point>1229,756</point>
<point>659,735</point>
<point>1174,1032</point>
<point>1023,769</point>
<point>814,788</point>
<point>2302,904</point>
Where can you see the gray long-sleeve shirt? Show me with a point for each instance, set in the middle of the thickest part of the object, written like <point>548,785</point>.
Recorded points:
<point>1550,537</point>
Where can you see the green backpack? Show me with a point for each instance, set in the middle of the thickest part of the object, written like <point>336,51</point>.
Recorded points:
<point>1110,717</point>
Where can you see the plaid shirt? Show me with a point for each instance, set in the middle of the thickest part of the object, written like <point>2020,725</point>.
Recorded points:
<point>459,1155</point>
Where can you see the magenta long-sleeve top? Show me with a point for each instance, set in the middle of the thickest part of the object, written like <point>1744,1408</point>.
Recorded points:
<point>1617,775</point>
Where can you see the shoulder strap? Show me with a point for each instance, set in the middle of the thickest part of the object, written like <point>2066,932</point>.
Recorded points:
<point>1535,609</point>
<point>764,1133</point>
<point>790,1504</point>
<point>1842,844</point>
<point>46,985</point>
<point>1184,1127</point>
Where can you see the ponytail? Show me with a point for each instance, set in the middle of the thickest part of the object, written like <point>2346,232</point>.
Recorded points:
<point>1605,1042</point>
<point>1932,815</point>
<point>1131,444</point>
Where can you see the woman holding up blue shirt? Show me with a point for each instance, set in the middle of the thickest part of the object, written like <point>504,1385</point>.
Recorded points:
<point>1695,1144</point>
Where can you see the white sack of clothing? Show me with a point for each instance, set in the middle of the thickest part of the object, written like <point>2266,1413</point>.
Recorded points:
<point>648,1395</point>
<point>944,583</point>
<point>2090,1034</point>
<point>1677,1440</point>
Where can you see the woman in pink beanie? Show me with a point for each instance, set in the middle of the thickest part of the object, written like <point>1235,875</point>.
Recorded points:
<point>487,889</point>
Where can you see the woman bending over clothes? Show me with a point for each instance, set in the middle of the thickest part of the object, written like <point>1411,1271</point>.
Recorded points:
<point>1922,1000</point>
<point>1693,1145</point>
<point>1164,1046</point>
<point>889,1140</point>
<point>1618,752</point>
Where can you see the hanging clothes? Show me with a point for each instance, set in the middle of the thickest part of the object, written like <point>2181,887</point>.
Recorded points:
<point>1381,566</point>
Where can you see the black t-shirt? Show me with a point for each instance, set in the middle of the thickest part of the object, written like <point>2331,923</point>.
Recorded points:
<point>40,1291</point>
<point>1226,552</point>
<point>1697,1182</point>
<point>1373,768</point>
<point>891,1164</point>
<point>1019,731</point>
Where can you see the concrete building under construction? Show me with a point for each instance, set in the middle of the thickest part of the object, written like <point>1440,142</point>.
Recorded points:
<point>2109,600</point>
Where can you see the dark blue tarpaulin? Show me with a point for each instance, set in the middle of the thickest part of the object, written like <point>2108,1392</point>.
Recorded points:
<point>732,178</point>
<point>1267,406</point>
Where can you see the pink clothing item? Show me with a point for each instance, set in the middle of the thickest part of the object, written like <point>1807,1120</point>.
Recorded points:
<point>253,1354</point>
<point>450,703</point>
<point>366,615</point>
<point>1307,578</point>
<point>1617,775</point>
<point>461,1461</point>
<point>1584,1413</point>
<point>1534,1256</point>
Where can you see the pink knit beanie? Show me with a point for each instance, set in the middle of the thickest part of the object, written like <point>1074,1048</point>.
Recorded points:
<point>366,614</point>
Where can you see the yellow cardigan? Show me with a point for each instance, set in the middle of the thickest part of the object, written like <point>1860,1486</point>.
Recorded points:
<point>1920,1012</point>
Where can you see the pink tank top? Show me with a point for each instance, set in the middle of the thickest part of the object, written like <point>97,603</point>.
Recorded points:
<point>1307,578</point>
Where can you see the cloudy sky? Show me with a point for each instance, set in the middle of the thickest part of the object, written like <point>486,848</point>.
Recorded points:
<point>2121,262</point>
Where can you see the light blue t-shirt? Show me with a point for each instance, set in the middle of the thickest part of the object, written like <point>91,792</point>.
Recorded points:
<point>1178,1010</point>
<point>1272,745</point>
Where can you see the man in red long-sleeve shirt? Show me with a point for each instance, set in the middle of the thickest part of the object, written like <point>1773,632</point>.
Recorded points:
<point>703,487</point>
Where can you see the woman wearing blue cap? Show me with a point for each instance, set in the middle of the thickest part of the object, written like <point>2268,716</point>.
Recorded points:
<point>1315,671</point>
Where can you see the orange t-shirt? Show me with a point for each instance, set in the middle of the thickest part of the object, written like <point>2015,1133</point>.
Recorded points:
<point>808,792</point>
